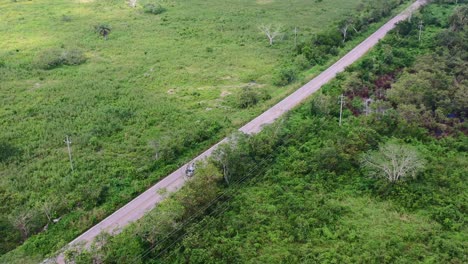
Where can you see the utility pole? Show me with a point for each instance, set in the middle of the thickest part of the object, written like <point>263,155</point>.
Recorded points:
<point>368,109</point>
<point>341,107</point>
<point>68,142</point>
<point>420,29</point>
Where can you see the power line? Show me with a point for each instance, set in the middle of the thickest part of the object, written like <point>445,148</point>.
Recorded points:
<point>225,193</point>
<point>220,209</point>
<point>198,213</point>
<point>228,192</point>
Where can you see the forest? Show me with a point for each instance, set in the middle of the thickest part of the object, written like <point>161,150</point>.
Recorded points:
<point>386,185</point>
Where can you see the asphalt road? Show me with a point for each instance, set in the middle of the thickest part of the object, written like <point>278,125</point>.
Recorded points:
<point>146,201</point>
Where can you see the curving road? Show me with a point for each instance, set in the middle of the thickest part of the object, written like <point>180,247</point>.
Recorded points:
<point>136,208</point>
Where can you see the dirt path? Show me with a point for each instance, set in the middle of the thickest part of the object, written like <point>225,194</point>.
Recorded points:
<point>136,208</point>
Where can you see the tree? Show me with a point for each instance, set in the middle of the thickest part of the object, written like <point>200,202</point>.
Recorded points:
<point>201,190</point>
<point>345,25</point>
<point>48,208</point>
<point>393,161</point>
<point>23,221</point>
<point>459,19</point>
<point>272,32</point>
<point>103,30</point>
<point>420,26</point>
<point>228,156</point>
<point>156,146</point>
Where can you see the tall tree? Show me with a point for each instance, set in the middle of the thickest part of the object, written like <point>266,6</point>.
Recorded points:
<point>459,19</point>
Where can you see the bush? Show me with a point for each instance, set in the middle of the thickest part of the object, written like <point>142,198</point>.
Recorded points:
<point>302,62</point>
<point>73,57</point>
<point>49,59</point>
<point>248,98</point>
<point>66,18</point>
<point>154,9</point>
<point>103,29</point>
<point>285,76</point>
<point>52,58</point>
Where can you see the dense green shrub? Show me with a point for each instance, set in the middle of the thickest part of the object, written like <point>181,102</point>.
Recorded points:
<point>301,62</point>
<point>73,57</point>
<point>248,98</point>
<point>285,75</point>
<point>154,9</point>
<point>53,58</point>
<point>7,151</point>
<point>49,59</point>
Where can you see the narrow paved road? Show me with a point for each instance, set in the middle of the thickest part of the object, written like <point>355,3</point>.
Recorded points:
<point>136,208</point>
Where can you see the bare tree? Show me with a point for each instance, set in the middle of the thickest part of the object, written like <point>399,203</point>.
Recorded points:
<point>22,222</point>
<point>228,154</point>
<point>132,3</point>
<point>393,161</point>
<point>345,27</point>
<point>420,26</point>
<point>156,145</point>
<point>272,32</point>
<point>344,31</point>
<point>459,19</point>
<point>222,157</point>
<point>48,208</point>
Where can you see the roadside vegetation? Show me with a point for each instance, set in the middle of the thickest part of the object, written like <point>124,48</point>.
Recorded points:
<point>308,190</point>
<point>139,91</point>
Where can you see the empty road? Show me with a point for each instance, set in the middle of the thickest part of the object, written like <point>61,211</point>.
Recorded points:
<point>136,208</point>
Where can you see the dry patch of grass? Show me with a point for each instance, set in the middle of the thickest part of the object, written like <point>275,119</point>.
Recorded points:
<point>264,2</point>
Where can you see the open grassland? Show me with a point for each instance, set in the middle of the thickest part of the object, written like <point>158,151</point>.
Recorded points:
<point>161,88</point>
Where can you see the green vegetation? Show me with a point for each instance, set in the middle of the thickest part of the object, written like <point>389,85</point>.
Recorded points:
<point>299,191</point>
<point>154,9</point>
<point>137,93</point>
<point>52,58</point>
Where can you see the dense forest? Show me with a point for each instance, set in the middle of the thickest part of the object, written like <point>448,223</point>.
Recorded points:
<point>386,185</point>
<point>135,108</point>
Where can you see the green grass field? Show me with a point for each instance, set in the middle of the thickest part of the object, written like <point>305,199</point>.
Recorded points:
<point>160,82</point>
